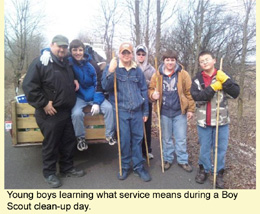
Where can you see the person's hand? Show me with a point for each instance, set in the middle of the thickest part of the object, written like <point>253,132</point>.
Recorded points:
<point>145,118</point>
<point>112,65</point>
<point>46,57</point>
<point>156,95</point>
<point>216,86</point>
<point>76,85</point>
<point>95,109</point>
<point>189,115</point>
<point>49,109</point>
<point>221,76</point>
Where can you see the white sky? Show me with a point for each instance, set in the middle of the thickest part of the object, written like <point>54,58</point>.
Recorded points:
<point>71,17</point>
<point>68,17</point>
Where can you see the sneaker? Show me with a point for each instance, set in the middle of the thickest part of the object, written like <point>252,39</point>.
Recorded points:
<point>201,176</point>
<point>143,174</point>
<point>125,173</point>
<point>53,181</point>
<point>187,167</point>
<point>167,165</point>
<point>219,179</point>
<point>73,173</point>
<point>111,141</point>
<point>82,145</point>
<point>150,155</point>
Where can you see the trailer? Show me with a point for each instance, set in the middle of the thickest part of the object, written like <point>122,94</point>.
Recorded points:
<point>25,131</point>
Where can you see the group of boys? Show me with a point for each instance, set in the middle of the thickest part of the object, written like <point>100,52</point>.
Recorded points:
<point>51,89</point>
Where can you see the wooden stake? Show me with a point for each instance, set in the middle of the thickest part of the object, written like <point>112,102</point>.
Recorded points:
<point>216,137</point>
<point>159,117</point>
<point>117,122</point>
<point>146,146</point>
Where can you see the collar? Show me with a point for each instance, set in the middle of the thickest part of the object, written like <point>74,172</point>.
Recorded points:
<point>133,65</point>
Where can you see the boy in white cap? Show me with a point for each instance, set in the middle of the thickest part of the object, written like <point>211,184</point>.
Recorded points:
<point>132,108</point>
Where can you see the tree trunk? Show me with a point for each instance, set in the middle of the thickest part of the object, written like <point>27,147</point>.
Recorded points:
<point>248,7</point>
<point>158,30</point>
<point>137,23</point>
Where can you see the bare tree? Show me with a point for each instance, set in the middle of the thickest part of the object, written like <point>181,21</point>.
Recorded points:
<point>137,22</point>
<point>110,18</point>
<point>21,31</point>
<point>248,6</point>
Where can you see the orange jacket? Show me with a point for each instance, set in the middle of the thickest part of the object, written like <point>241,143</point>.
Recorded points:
<point>183,86</point>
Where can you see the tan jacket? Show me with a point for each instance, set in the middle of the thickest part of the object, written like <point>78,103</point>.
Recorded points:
<point>183,86</point>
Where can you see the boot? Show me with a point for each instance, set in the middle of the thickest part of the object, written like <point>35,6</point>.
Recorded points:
<point>219,180</point>
<point>201,176</point>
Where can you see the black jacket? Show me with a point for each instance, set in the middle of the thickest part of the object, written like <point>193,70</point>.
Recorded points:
<point>54,82</point>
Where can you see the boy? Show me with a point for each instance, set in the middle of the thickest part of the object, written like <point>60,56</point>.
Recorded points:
<point>132,108</point>
<point>141,58</point>
<point>176,107</point>
<point>204,87</point>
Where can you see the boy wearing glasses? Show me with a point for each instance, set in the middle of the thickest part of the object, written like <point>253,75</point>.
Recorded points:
<point>132,108</point>
<point>203,90</point>
<point>148,70</point>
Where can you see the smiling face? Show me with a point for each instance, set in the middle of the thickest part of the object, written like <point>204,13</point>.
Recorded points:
<point>207,63</point>
<point>77,53</point>
<point>59,51</point>
<point>126,57</point>
<point>169,64</point>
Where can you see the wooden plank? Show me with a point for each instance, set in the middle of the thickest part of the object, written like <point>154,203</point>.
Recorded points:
<point>26,122</point>
<point>14,127</point>
<point>94,120</point>
<point>95,134</point>
<point>24,108</point>
<point>29,136</point>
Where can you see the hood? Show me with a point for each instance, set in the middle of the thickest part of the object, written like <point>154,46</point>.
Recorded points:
<point>177,68</point>
<point>145,63</point>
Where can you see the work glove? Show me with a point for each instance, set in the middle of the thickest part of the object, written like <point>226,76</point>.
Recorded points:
<point>112,65</point>
<point>216,86</point>
<point>95,109</point>
<point>46,57</point>
<point>221,76</point>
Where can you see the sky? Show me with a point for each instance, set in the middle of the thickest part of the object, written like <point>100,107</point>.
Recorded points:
<point>63,17</point>
<point>71,17</point>
<point>67,18</point>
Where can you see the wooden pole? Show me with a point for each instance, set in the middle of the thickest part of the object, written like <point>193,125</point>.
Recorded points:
<point>146,146</point>
<point>216,137</point>
<point>117,121</point>
<point>159,117</point>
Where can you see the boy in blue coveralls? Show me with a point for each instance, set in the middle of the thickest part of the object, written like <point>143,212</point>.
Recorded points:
<point>132,108</point>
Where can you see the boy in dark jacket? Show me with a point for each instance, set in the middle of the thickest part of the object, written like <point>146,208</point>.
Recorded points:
<point>204,87</point>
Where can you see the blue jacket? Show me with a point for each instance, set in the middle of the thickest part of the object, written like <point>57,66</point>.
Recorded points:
<point>131,89</point>
<point>85,73</point>
<point>171,106</point>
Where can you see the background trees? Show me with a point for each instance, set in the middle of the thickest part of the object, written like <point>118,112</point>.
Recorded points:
<point>228,29</point>
<point>22,38</point>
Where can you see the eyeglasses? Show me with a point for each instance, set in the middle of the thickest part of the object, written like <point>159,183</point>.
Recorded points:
<point>141,54</point>
<point>205,61</point>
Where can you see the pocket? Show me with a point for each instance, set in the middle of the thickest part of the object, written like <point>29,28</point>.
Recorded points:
<point>121,78</point>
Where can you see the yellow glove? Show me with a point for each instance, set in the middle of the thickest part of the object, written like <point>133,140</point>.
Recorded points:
<point>221,76</point>
<point>216,86</point>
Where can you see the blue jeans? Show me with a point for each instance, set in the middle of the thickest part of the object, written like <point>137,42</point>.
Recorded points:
<point>177,127</point>
<point>78,117</point>
<point>207,142</point>
<point>131,137</point>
